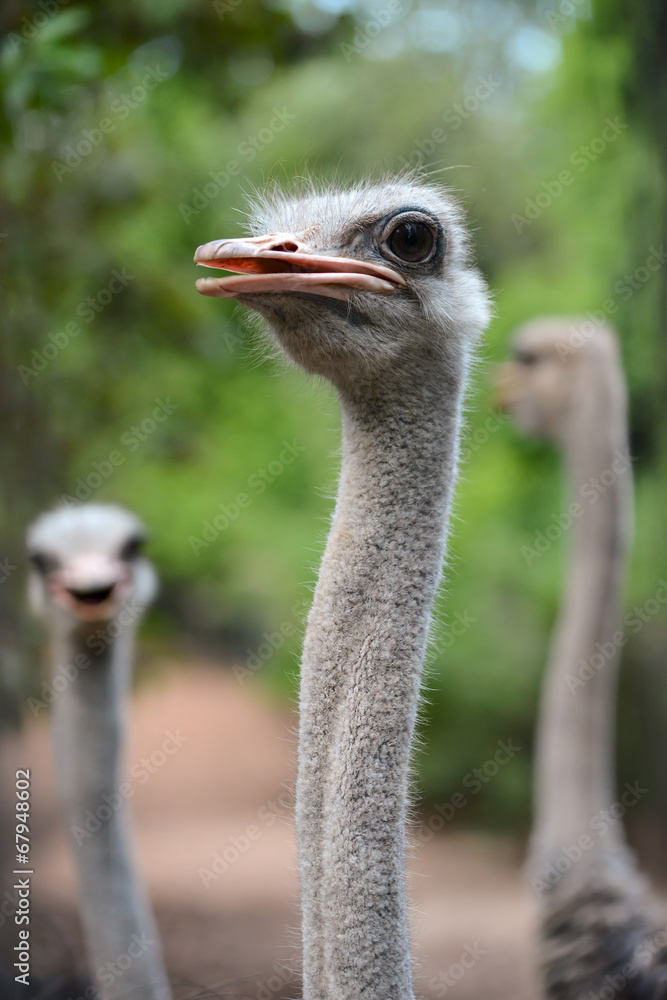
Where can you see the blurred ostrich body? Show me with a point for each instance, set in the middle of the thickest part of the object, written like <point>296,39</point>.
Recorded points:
<point>394,337</point>
<point>90,585</point>
<point>597,921</point>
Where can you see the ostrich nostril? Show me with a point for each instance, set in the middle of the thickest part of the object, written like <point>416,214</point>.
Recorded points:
<point>286,247</point>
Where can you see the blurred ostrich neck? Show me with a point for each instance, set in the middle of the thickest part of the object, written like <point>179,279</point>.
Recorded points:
<point>102,643</point>
<point>575,774</point>
<point>362,662</point>
<point>89,734</point>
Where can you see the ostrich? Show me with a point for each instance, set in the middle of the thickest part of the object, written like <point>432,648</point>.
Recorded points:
<point>90,584</point>
<point>599,927</point>
<point>372,288</point>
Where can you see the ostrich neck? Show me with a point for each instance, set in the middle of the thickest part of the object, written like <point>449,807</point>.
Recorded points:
<point>88,730</point>
<point>362,662</point>
<point>575,773</point>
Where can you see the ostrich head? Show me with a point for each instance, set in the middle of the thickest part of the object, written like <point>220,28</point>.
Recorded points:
<point>86,562</point>
<point>563,373</point>
<point>355,282</point>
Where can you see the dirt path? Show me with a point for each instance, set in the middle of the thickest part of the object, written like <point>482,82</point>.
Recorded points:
<point>212,765</point>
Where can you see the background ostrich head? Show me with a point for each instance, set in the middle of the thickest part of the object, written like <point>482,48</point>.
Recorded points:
<point>564,374</point>
<point>86,562</point>
<point>358,281</point>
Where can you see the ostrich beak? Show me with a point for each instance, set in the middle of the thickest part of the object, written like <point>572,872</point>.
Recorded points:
<point>282,263</point>
<point>91,587</point>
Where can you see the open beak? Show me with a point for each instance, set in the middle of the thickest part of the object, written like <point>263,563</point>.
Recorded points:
<point>282,263</point>
<point>92,588</point>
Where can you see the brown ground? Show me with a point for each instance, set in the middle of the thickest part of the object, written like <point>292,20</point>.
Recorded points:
<point>230,778</point>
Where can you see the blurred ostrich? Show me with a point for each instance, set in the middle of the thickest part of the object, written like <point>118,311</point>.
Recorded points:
<point>598,925</point>
<point>90,584</point>
<point>372,288</point>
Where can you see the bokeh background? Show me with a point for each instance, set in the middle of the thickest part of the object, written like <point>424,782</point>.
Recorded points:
<point>496,98</point>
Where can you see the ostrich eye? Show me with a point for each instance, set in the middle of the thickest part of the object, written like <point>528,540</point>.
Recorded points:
<point>411,241</point>
<point>524,357</point>
<point>41,563</point>
<point>132,548</point>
